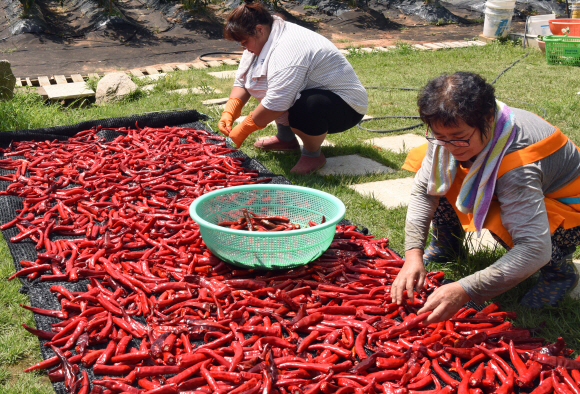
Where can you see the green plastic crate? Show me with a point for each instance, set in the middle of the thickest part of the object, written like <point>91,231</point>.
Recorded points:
<point>563,50</point>
<point>268,249</point>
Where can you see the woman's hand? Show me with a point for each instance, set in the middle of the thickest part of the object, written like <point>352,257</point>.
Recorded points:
<point>444,302</point>
<point>231,112</point>
<point>411,277</point>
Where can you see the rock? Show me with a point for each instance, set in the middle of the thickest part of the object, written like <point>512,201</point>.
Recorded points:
<point>7,81</point>
<point>113,87</point>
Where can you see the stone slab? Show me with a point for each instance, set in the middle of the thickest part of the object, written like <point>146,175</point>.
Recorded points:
<point>398,143</point>
<point>136,72</point>
<point>343,51</point>
<point>214,63</point>
<point>368,50</point>
<point>273,124</point>
<point>431,46</point>
<point>231,62</point>
<point>28,81</point>
<point>19,82</point>
<point>575,292</point>
<point>43,81</point>
<point>77,78</point>
<point>391,193</point>
<point>166,68</point>
<point>461,44</point>
<point>68,91</point>
<point>224,74</point>
<point>154,77</point>
<point>218,101</point>
<point>193,91</point>
<point>439,44</point>
<point>475,244</point>
<point>478,43</point>
<point>147,88</point>
<point>382,49</point>
<point>60,79</point>
<point>352,165</point>
<point>452,44</point>
<point>198,65</point>
<point>93,75</point>
<point>151,70</point>
<point>421,47</point>
<point>182,67</point>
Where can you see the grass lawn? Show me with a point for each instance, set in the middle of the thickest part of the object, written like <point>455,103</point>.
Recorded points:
<point>532,81</point>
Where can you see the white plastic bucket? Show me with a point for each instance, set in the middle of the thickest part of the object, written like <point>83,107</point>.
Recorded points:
<point>497,21</point>
<point>538,25</point>
<point>501,4</point>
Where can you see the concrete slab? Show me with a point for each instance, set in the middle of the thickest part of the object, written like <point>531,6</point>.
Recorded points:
<point>136,72</point>
<point>151,70</point>
<point>231,62</point>
<point>148,88</point>
<point>382,49</point>
<point>421,47</point>
<point>398,143</point>
<point>60,79</point>
<point>43,81</point>
<point>392,193</point>
<point>93,75</point>
<point>198,65</point>
<point>486,241</point>
<point>68,91</point>
<point>153,77</point>
<point>214,63</point>
<point>368,50</point>
<point>18,82</point>
<point>575,292</point>
<point>478,43</point>
<point>182,67</point>
<point>193,91</point>
<point>431,46</point>
<point>166,68</point>
<point>461,44</point>
<point>352,165</point>
<point>224,74</point>
<point>452,44</point>
<point>218,101</point>
<point>77,78</point>
<point>324,143</point>
<point>343,51</point>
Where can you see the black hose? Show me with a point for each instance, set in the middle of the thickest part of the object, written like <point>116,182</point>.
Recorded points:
<point>417,117</point>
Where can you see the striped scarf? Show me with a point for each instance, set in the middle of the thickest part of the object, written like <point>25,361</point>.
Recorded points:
<point>479,184</point>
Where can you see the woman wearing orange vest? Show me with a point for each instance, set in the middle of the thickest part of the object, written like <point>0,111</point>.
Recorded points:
<point>490,166</point>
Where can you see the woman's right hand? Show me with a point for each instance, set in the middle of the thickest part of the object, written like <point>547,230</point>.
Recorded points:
<point>410,278</point>
<point>232,111</point>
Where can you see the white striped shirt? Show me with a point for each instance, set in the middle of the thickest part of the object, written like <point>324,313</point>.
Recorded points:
<point>301,60</point>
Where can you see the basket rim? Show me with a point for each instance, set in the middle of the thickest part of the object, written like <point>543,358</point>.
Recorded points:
<point>266,234</point>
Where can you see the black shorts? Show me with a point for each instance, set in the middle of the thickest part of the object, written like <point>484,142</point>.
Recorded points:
<point>320,111</point>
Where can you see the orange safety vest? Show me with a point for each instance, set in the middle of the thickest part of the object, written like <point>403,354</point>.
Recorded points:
<point>563,205</point>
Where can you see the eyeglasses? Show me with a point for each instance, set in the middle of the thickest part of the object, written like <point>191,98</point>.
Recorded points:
<point>460,143</point>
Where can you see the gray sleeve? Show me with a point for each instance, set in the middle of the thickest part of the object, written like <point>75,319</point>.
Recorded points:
<point>421,206</point>
<point>524,215</point>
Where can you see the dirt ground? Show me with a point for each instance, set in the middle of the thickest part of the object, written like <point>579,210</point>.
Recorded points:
<point>71,47</point>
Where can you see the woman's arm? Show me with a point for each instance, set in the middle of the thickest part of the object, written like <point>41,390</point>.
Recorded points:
<point>240,93</point>
<point>524,215</point>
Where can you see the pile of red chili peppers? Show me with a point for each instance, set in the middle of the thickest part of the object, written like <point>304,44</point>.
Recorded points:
<point>251,221</point>
<point>162,315</point>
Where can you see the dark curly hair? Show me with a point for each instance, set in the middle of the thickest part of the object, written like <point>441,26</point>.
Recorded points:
<point>242,21</point>
<point>463,96</point>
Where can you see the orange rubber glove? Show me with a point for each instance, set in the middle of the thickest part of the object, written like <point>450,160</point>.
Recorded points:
<point>232,111</point>
<point>243,130</point>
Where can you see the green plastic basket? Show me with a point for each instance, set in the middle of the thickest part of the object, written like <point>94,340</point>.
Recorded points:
<point>563,50</point>
<point>261,249</point>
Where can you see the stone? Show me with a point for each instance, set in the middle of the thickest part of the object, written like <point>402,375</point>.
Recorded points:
<point>43,81</point>
<point>224,74</point>
<point>392,193</point>
<point>421,47</point>
<point>273,124</point>
<point>218,101</point>
<point>77,78</point>
<point>113,87</point>
<point>147,88</point>
<point>575,292</point>
<point>194,91</point>
<point>368,50</point>
<point>67,91</point>
<point>153,77</point>
<point>431,46</point>
<point>343,51</point>
<point>475,244</point>
<point>352,165</point>
<point>231,62</point>
<point>7,81</point>
<point>398,143</point>
<point>214,63</point>
<point>60,79</point>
